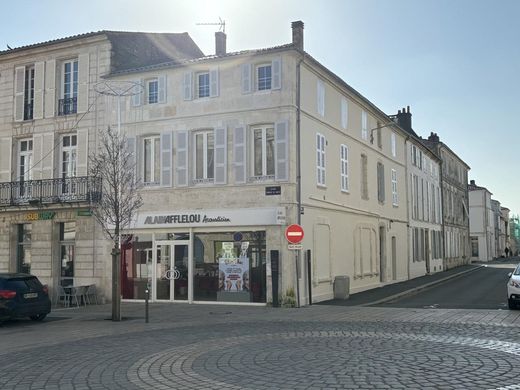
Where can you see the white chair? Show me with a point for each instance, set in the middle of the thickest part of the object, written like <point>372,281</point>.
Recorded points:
<point>91,292</point>
<point>78,295</point>
<point>62,294</point>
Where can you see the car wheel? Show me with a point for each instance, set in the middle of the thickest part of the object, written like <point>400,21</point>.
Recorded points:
<point>512,305</point>
<point>38,317</point>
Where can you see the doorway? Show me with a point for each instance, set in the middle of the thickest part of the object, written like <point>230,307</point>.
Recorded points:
<point>170,281</point>
<point>382,253</point>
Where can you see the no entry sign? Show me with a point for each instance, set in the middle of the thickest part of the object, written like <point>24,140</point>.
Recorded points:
<point>294,234</point>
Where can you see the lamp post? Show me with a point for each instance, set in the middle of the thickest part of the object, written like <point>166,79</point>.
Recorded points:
<point>117,89</point>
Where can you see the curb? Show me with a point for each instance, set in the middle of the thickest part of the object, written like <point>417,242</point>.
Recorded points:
<point>423,287</point>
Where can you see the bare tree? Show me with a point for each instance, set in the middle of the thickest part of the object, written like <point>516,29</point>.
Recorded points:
<point>114,164</point>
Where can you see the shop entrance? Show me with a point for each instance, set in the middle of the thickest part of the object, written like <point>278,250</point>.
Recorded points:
<point>170,280</point>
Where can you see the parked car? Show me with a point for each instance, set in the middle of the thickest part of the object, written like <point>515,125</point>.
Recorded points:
<point>513,288</point>
<point>22,295</point>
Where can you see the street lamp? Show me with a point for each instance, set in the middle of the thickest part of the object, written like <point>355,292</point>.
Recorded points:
<point>378,128</point>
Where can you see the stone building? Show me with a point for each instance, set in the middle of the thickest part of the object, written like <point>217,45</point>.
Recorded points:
<point>231,148</point>
<point>483,223</point>
<point>454,183</point>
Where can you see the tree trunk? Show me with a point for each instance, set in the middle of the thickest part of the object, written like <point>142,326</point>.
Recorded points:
<point>116,284</point>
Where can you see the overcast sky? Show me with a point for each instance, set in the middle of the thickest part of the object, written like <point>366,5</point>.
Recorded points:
<point>456,63</point>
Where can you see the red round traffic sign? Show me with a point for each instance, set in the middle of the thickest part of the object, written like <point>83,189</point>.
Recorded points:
<point>294,234</point>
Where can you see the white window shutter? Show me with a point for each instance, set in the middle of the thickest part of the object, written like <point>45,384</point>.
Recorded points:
<point>47,155</point>
<point>82,153</point>
<point>5,159</point>
<point>166,159</point>
<point>37,157</point>
<point>39,86</point>
<point>188,86</point>
<point>19,88</point>
<point>181,158</point>
<point>344,113</point>
<point>246,78</point>
<point>281,151</point>
<point>213,82</point>
<point>50,88</point>
<point>137,99</point>
<point>83,82</point>
<point>321,98</point>
<point>131,148</point>
<point>161,84</point>
<point>276,75</point>
<point>239,154</point>
<point>220,137</point>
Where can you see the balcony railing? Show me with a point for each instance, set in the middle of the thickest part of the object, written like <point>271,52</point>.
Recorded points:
<point>67,106</point>
<point>48,191</point>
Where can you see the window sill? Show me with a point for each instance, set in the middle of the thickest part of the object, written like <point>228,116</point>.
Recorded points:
<point>347,192</point>
<point>321,186</point>
<point>257,179</point>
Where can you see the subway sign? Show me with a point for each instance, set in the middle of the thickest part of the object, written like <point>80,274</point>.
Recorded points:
<point>40,216</point>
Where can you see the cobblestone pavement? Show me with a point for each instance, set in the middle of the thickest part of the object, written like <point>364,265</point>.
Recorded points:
<point>234,347</point>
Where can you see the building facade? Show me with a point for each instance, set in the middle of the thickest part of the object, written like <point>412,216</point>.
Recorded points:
<point>483,223</point>
<point>425,238</point>
<point>230,148</point>
<point>454,179</point>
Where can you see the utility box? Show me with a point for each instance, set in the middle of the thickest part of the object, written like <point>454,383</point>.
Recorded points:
<point>341,287</point>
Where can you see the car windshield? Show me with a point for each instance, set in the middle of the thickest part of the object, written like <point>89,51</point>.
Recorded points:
<point>517,270</point>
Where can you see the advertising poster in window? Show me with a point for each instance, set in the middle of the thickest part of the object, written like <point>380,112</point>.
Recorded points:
<point>233,272</point>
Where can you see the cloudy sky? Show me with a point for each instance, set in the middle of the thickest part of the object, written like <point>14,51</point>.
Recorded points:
<point>456,63</point>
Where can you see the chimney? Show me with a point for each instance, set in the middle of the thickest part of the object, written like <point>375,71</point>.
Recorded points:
<point>404,119</point>
<point>433,137</point>
<point>472,182</point>
<point>220,43</point>
<point>297,34</point>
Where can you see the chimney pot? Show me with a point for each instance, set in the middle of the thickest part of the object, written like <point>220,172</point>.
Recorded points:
<point>220,43</point>
<point>404,119</point>
<point>472,182</point>
<point>297,34</point>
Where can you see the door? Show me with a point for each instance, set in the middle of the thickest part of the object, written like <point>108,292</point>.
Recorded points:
<point>170,282</point>
<point>427,249</point>
<point>382,253</point>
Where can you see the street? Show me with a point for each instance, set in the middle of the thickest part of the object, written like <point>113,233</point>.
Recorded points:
<point>484,288</point>
<point>244,347</point>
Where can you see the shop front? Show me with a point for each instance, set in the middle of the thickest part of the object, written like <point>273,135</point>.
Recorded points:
<point>194,256</point>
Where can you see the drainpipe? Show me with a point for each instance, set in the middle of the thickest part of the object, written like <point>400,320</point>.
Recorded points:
<point>298,172</point>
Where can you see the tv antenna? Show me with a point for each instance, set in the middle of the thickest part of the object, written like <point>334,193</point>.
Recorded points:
<point>221,23</point>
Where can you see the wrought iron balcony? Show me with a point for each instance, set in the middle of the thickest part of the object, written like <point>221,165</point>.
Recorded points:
<point>49,191</point>
<point>67,106</point>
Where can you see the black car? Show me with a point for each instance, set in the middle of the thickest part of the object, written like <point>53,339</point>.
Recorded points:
<point>22,295</point>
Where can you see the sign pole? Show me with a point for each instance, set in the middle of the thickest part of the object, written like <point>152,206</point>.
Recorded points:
<point>294,235</point>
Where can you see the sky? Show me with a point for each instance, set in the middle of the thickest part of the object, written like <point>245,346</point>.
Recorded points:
<point>456,63</point>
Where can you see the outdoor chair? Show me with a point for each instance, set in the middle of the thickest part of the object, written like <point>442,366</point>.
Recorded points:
<point>78,295</point>
<point>62,295</point>
<point>91,293</point>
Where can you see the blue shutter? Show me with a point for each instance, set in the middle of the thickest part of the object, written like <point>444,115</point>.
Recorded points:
<point>246,78</point>
<point>161,86</point>
<point>187,86</point>
<point>137,98</point>
<point>213,82</point>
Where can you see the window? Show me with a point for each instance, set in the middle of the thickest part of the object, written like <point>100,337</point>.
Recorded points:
<point>204,156</point>
<point>379,136</point>
<point>320,160</point>
<point>321,98</point>
<point>67,252</point>
<point>68,156</point>
<point>393,145</point>
<point>25,160</point>
<point>344,167</point>
<point>68,103</point>
<point>414,155</point>
<point>263,76</point>
<point>28,94</point>
<point>364,177</point>
<point>420,159</point>
<point>263,152</point>
<point>151,160</point>
<point>344,113</point>
<point>416,197</point>
<point>153,91</point>
<point>203,85</point>
<point>380,182</point>
<point>364,125</point>
<point>23,255</point>
<point>395,200</point>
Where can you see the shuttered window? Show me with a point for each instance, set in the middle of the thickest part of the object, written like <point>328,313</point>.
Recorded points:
<point>151,160</point>
<point>321,97</point>
<point>204,156</point>
<point>395,199</point>
<point>364,125</point>
<point>320,160</point>
<point>380,182</point>
<point>364,177</point>
<point>344,168</point>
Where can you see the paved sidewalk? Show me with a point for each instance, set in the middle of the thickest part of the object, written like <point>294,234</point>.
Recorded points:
<point>395,290</point>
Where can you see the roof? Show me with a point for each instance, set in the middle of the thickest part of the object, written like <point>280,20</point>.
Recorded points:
<point>135,49</point>
<point>474,187</point>
<point>432,144</point>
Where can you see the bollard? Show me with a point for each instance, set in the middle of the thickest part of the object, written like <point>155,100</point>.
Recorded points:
<point>147,292</point>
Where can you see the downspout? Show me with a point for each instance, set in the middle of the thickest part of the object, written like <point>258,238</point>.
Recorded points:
<point>298,173</point>
<point>443,229</point>
<point>409,232</point>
